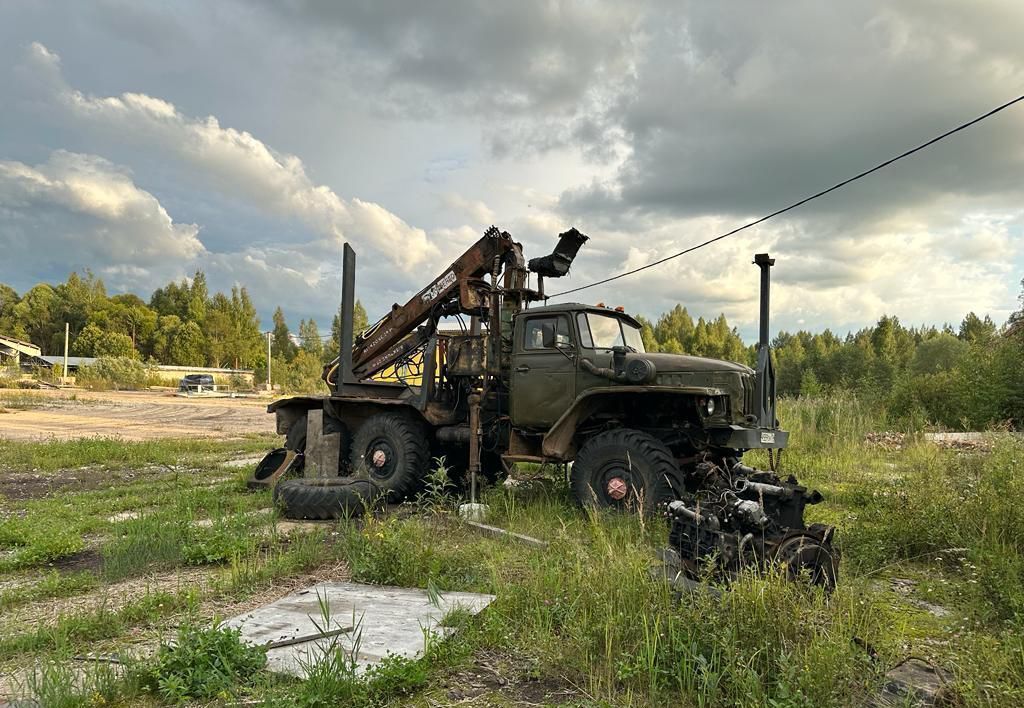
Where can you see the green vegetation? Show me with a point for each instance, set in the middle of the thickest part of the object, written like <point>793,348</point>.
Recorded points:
<point>203,662</point>
<point>958,377</point>
<point>933,565</point>
<point>182,324</point>
<point>114,453</point>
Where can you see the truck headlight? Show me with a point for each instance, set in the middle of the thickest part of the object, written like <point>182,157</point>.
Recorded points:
<point>709,406</point>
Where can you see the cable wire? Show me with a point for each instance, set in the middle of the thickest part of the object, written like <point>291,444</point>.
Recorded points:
<point>803,201</point>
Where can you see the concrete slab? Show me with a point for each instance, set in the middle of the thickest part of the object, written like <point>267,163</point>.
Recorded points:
<point>385,619</point>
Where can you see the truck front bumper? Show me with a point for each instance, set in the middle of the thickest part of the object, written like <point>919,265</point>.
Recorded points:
<point>740,438</point>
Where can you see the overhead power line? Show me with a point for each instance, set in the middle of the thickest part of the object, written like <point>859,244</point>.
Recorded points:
<point>803,201</point>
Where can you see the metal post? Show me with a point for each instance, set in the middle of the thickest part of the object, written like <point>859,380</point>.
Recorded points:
<point>270,385</point>
<point>348,294</point>
<point>765,371</point>
<point>67,335</point>
<point>762,261</point>
<point>474,442</point>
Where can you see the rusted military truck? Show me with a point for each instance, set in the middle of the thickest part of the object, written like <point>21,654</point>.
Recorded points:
<point>527,381</point>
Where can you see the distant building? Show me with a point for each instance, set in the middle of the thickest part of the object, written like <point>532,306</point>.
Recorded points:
<point>13,350</point>
<point>74,362</point>
<point>167,375</point>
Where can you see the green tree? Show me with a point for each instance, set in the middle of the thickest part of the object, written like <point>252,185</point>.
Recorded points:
<point>1015,324</point>
<point>360,322</point>
<point>198,295</point>
<point>939,353</point>
<point>187,345</point>
<point>163,335</point>
<point>281,341</point>
<point>301,374</point>
<point>77,299</point>
<point>115,345</point>
<point>87,341</point>
<point>128,314</point>
<point>809,384</point>
<point>172,299</point>
<point>9,322</point>
<point>309,333</point>
<point>975,329</point>
<point>36,315</point>
<point>233,331</point>
<point>675,325</point>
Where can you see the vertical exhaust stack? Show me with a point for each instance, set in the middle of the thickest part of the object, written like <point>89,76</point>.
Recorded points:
<point>765,371</point>
<point>348,294</point>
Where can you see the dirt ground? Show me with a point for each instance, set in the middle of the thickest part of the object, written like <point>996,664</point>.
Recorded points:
<point>133,416</point>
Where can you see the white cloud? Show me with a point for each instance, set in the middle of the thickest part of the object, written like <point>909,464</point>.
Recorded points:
<point>474,209</point>
<point>78,210</point>
<point>238,164</point>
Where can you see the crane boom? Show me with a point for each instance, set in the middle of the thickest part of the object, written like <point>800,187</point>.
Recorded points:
<point>456,290</point>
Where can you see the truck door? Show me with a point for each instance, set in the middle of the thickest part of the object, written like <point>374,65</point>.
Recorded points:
<point>543,369</point>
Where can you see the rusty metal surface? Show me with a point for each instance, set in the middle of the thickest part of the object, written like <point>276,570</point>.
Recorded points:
<point>467,355</point>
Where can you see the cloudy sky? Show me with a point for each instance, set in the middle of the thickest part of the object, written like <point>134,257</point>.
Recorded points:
<point>145,140</point>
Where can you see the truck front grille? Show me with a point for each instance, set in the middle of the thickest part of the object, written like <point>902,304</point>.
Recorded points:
<point>748,395</point>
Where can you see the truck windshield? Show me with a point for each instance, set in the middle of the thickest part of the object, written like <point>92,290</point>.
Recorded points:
<point>604,332</point>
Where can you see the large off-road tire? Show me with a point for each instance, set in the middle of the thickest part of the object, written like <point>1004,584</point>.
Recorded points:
<point>326,498</point>
<point>392,450</point>
<point>623,469</point>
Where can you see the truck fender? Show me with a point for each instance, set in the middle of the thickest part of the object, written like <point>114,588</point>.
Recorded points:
<point>558,441</point>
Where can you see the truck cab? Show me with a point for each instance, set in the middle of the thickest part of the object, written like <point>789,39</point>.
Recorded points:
<point>577,364</point>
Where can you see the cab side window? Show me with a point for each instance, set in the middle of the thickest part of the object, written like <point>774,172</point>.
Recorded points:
<point>546,333</point>
<point>585,339</point>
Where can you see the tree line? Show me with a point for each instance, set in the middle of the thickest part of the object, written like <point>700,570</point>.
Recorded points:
<point>966,375</point>
<point>181,324</point>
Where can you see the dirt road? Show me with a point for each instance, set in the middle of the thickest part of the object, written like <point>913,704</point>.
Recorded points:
<point>130,416</point>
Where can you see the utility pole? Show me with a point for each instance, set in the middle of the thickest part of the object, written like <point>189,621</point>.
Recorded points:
<point>269,385</point>
<point>67,334</point>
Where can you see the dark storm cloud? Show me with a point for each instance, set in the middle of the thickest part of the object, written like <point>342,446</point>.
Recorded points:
<point>523,56</point>
<point>741,109</point>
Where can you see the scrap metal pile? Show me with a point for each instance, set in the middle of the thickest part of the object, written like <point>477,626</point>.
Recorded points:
<point>733,516</point>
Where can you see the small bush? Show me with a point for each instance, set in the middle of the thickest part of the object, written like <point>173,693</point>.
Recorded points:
<point>118,373</point>
<point>203,662</point>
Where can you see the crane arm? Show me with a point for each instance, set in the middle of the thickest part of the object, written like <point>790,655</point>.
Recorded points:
<point>456,290</point>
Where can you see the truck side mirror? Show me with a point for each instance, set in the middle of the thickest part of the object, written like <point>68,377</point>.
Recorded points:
<point>548,336</point>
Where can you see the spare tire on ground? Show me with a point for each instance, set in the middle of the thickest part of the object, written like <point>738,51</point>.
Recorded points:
<point>327,498</point>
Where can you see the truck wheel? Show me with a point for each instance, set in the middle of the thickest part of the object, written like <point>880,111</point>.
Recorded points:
<point>393,451</point>
<point>325,498</point>
<point>623,469</point>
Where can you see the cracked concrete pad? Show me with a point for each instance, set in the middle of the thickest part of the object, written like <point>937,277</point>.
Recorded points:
<point>385,619</point>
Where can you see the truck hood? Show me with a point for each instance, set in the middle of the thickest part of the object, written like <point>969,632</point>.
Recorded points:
<point>670,363</point>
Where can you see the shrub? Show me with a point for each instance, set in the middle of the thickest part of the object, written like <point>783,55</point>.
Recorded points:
<point>118,373</point>
<point>203,662</point>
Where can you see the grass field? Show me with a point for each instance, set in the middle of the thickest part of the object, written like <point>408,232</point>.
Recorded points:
<point>113,548</point>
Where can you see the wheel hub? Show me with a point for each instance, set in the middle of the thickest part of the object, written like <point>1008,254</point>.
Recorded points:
<point>617,488</point>
<point>379,458</point>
